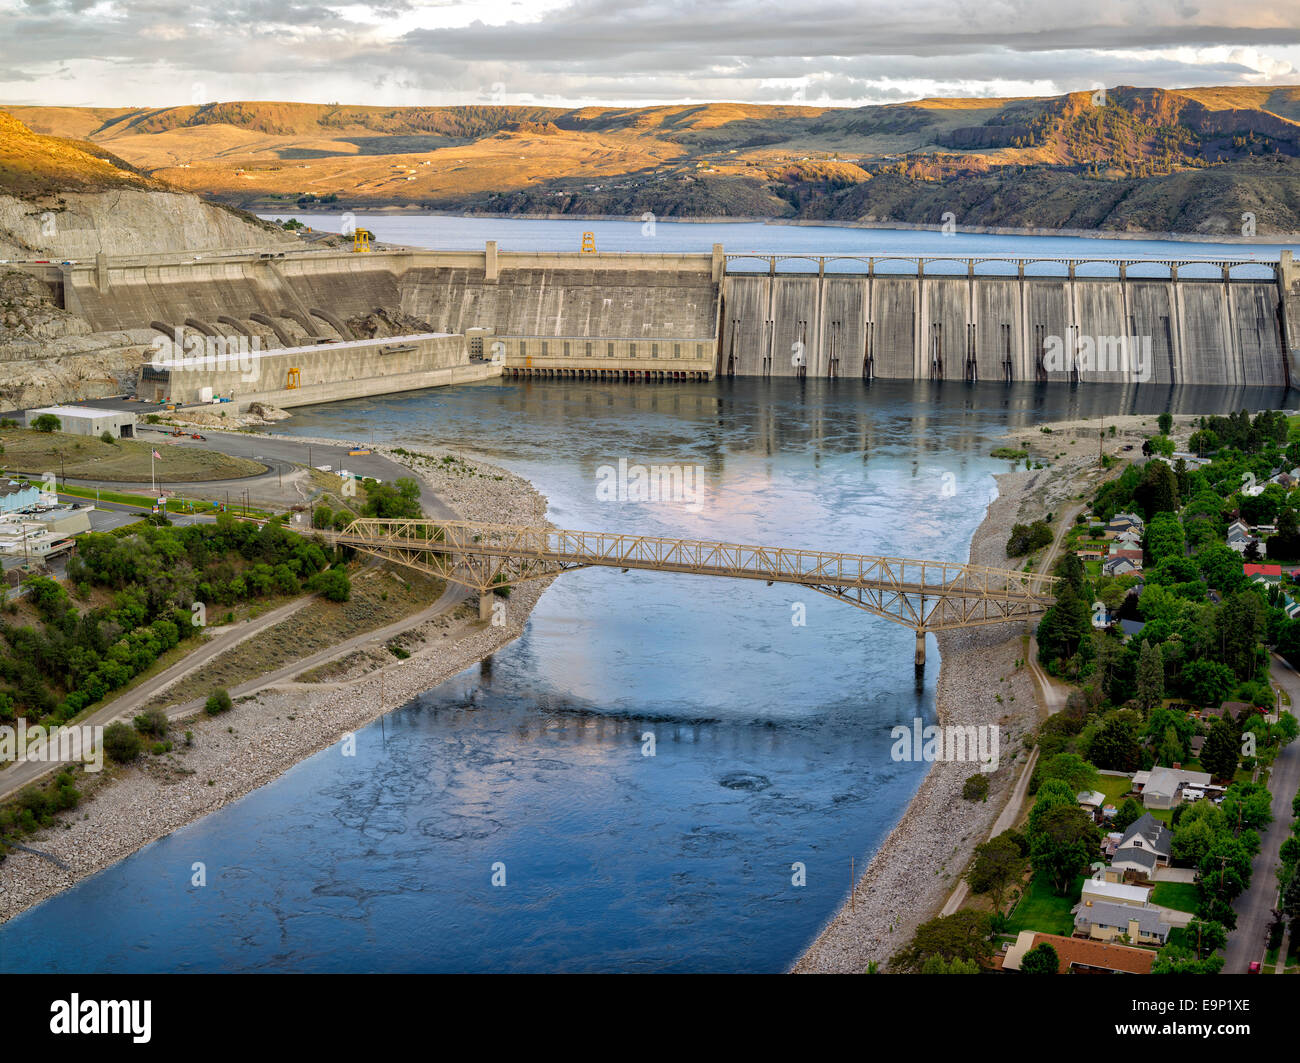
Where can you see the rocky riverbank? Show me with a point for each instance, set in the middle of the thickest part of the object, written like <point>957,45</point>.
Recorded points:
<point>269,731</point>
<point>983,680</point>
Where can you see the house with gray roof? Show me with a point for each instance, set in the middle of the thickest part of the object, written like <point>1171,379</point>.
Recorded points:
<point>1104,921</point>
<point>1164,786</point>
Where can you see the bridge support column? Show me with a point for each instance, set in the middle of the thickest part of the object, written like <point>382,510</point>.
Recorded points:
<point>485,605</point>
<point>920,647</point>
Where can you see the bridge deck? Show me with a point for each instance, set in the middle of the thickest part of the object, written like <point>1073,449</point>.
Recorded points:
<point>929,595</point>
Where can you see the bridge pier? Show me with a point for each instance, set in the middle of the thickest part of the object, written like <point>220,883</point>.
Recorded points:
<point>485,605</point>
<point>920,647</point>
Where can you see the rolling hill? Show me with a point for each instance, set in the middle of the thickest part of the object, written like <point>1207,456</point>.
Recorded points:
<point>1141,159</point>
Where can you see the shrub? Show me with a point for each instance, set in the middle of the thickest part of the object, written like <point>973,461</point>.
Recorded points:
<point>121,742</point>
<point>152,722</point>
<point>218,702</point>
<point>1025,538</point>
<point>47,422</point>
<point>332,584</point>
<point>976,788</point>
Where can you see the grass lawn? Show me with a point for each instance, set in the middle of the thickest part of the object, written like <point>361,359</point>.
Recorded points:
<point>1180,896</point>
<point>89,457</point>
<point>1043,910</point>
<point>1114,787</point>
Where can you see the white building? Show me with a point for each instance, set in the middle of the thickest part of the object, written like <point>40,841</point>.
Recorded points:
<point>87,420</point>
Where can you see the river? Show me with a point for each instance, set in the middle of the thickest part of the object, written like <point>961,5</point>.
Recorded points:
<point>771,738</point>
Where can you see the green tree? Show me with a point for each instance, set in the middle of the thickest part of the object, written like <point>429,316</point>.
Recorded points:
<point>1206,937</point>
<point>332,584</point>
<point>47,422</point>
<point>998,864</point>
<point>1178,959</point>
<point>1151,675</point>
<point>1128,814</point>
<point>964,935</point>
<point>1221,752</point>
<point>121,742</point>
<point>1165,422</point>
<point>1157,490</point>
<point>1207,682</point>
<point>1041,959</point>
<point>1115,746</point>
<point>1062,846</point>
<point>1164,539</point>
<point>1239,626</point>
<point>218,702</point>
<point>1072,769</point>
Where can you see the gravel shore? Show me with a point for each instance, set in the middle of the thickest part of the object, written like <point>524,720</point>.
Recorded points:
<point>981,682</point>
<point>268,732</point>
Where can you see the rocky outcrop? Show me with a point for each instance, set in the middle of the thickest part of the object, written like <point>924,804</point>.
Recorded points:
<point>128,221</point>
<point>48,355</point>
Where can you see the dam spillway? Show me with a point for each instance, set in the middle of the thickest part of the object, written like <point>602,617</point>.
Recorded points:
<point>692,316</point>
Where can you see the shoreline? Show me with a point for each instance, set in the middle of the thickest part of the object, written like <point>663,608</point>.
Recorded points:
<point>396,211</point>
<point>982,681</point>
<point>270,731</point>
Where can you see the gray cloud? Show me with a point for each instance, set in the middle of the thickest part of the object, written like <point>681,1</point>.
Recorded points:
<point>615,51</point>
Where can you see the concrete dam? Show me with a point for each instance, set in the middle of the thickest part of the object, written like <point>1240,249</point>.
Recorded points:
<point>650,317</point>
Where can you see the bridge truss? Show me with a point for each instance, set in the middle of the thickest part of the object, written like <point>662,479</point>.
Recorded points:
<point>922,595</point>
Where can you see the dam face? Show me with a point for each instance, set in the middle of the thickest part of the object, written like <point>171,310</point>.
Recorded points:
<point>692,316</point>
<point>1184,331</point>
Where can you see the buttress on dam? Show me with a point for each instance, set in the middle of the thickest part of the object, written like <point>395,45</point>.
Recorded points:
<point>652,317</point>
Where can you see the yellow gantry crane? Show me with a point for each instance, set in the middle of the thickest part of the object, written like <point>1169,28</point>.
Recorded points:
<point>294,380</point>
<point>361,239</point>
<point>588,243</point>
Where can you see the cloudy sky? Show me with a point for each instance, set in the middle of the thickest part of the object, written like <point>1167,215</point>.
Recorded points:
<point>630,52</point>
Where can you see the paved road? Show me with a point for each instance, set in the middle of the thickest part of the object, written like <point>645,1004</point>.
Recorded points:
<point>20,774</point>
<point>1053,697</point>
<point>283,453</point>
<point>1254,908</point>
<point>453,595</point>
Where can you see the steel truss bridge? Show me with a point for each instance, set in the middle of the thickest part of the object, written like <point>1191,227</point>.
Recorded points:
<point>922,595</point>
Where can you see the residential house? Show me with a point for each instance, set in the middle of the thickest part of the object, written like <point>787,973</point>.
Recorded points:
<point>1126,539</point>
<point>1120,566</point>
<point>1240,537</point>
<point>1164,786</point>
<point>1145,838</point>
<point>1096,890</point>
<point>1080,955</point>
<point>1106,922</point>
<point>1132,628</point>
<point>1263,573</point>
<point>1122,522</point>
